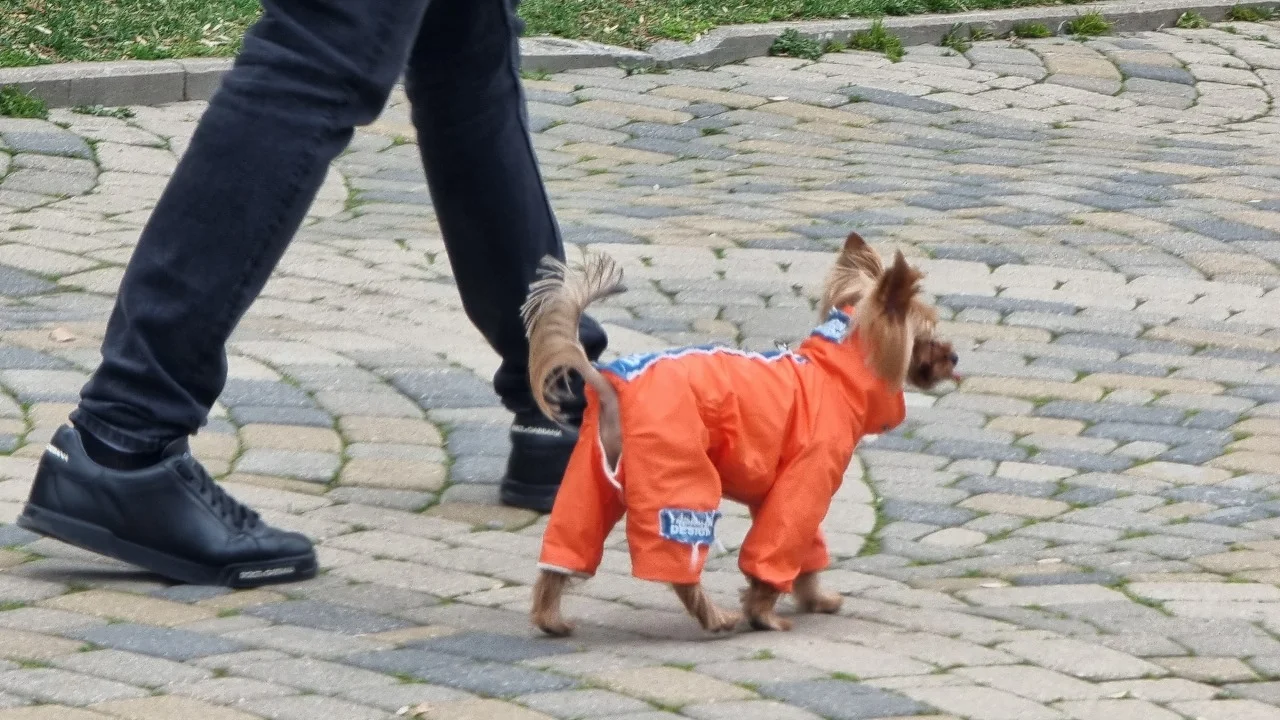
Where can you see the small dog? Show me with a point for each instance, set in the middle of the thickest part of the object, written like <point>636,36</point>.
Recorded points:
<point>774,431</point>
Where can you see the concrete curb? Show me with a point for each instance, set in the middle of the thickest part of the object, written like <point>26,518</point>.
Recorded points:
<point>153,82</point>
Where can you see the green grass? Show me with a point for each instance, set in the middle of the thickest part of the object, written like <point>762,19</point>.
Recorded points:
<point>879,40</point>
<point>1191,21</point>
<point>34,32</point>
<point>1088,24</point>
<point>792,44</point>
<point>1032,30</point>
<point>1242,13</point>
<point>121,113</point>
<point>17,104</point>
<point>956,39</point>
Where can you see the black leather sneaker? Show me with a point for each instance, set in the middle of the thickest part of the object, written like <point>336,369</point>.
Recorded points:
<point>540,451</point>
<point>171,519</point>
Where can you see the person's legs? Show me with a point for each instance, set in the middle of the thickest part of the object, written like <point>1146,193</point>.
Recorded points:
<point>468,108</point>
<point>309,72</point>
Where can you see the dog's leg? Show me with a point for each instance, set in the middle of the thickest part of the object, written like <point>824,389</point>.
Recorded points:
<point>699,605</point>
<point>759,602</point>
<point>810,598</point>
<point>546,603</point>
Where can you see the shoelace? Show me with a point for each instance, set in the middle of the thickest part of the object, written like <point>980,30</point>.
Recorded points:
<point>239,515</point>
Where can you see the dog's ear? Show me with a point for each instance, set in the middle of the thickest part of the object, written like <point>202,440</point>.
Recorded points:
<point>888,321</point>
<point>856,270</point>
<point>897,288</point>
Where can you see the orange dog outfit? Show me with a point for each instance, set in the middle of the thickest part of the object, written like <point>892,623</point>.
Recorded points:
<point>774,431</point>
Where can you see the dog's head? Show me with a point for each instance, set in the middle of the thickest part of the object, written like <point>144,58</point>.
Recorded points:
<point>894,323</point>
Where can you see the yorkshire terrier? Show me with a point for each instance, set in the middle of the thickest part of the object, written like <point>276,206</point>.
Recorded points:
<point>774,431</point>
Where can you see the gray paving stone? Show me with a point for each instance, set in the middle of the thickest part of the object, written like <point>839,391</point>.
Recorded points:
<point>453,671</point>
<point>311,707</point>
<point>583,703</point>
<point>941,515</point>
<point>327,616</point>
<point>843,700</point>
<point>132,669</point>
<point>1160,73</point>
<point>59,686</point>
<point>1095,578</point>
<point>49,141</point>
<point>274,415</point>
<point>260,393</point>
<point>310,466</point>
<point>493,647</point>
<point>445,389</point>
<point>167,643</point>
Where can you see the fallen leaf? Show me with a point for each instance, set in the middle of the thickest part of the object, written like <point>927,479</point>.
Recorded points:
<point>62,335</point>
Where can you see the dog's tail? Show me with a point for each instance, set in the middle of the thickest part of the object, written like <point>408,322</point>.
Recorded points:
<point>551,315</point>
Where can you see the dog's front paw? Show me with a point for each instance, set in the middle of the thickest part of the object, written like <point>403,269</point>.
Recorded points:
<point>725,621</point>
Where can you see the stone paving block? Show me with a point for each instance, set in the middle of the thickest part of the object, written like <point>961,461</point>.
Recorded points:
<point>1082,660</point>
<point>479,710</point>
<point>1227,710</point>
<point>1033,683</point>
<point>167,643</point>
<point>131,668</point>
<point>226,690</point>
<point>168,706</point>
<point>326,616</point>
<point>50,712</point>
<point>492,647</point>
<point>33,647</point>
<point>843,700</point>
<point>58,686</point>
<point>484,678</point>
<point>315,676</point>
<point>582,703</point>
<point>310,707</point>
<point>130,608</point>
<point>670,686</point>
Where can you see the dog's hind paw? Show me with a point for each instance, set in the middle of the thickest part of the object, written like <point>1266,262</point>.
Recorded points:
<point>771,621</point>
<point>828,603</point>
<point>555,627</point>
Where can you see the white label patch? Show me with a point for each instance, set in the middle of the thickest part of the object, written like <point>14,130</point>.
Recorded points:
<point>690,527</point>
<point>268,573</point>
<point>50,449</point>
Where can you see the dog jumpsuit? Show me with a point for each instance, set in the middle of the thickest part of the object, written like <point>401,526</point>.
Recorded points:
<point>774,431</point>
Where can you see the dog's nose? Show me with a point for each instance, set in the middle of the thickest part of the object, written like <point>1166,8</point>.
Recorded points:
<point>954,358</point>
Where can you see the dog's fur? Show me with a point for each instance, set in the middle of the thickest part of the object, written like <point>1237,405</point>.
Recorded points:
<point>894,325</point>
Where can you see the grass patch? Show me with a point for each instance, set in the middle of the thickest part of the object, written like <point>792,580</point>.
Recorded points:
<point>1244,13</point>
<point>877,39</point>
<point>35,32</point>
<point>956,39</point>
<point>17,104</point>
<point>120,113</point>
<point>792,44</point>
<point>1191,21</point>
<point>1088,25</point>
<point>1031,30</point>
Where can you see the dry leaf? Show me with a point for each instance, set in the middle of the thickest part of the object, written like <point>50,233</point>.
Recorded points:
<point>62,335</point>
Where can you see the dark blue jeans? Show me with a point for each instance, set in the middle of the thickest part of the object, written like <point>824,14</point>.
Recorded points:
<point>309,73</point>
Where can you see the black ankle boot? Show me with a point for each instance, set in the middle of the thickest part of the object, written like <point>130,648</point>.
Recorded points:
<point>540,452</point>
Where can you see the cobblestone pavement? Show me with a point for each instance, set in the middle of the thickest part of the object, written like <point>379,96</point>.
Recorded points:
<point>1088,528</point>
